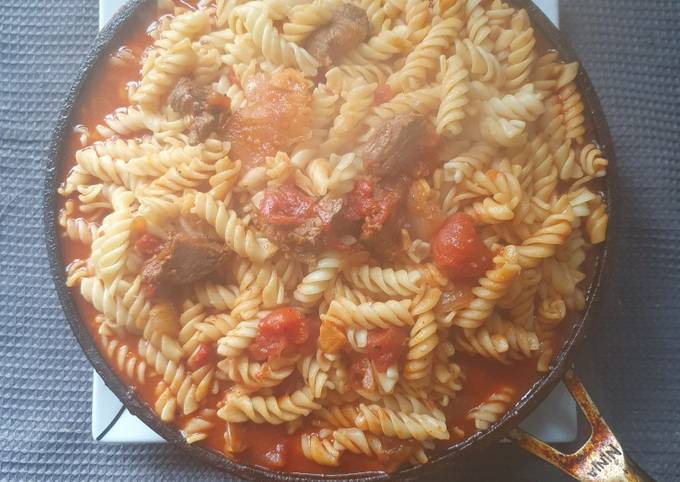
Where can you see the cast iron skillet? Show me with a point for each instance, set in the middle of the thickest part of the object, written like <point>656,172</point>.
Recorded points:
<point>504,427</point>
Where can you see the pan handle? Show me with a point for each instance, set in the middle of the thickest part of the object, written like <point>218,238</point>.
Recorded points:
<point>600,459</point>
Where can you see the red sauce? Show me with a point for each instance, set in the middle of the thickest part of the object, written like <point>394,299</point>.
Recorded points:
<point>104,93</point>
<point>458,249</point>
<point>359,200</point>
<point>203,354</point>
<point>386,347</point>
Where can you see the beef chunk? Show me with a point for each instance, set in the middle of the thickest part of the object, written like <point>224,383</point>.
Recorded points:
<point>396,146</point>
<point>308,233</point>
<point>197,102</point>
<point>378,204</point>
<point>200,127</point>
<point>303,239</point>
<point>188,97</point>
<point>347,29</point>
<point>183,260</point>
<point>384,241</point>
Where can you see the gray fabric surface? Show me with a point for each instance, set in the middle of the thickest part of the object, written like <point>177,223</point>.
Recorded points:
<point>630,50</point>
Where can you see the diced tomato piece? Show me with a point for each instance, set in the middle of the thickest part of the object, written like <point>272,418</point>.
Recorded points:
<point>458,249</point>
<point>382,94</point>
<point>285,206</point>
<point>386,347</point>
<point>359,200</point>
<point>148,245</point>
<point>277,457</point>
<point>219,101</point>
<point>277,331</point>
<point>201,355</point>
<point>286,321</point>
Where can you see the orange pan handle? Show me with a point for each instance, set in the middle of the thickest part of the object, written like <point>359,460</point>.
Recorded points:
<point>600,459</point>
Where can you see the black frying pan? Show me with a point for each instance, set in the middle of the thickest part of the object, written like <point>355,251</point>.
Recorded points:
<point>602,458</point>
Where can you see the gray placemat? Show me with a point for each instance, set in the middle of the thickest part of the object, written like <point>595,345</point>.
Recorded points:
<point>630,50</point>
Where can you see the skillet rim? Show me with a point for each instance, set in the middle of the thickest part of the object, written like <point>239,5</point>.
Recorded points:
<point>108,37</point>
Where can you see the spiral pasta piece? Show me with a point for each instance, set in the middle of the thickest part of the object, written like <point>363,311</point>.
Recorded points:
<point>423,61</point>
<point>78,229</point>
<point>198,426</point>
<point>592,162</point>
<point>321,450</point>
<point>490,411</point>
<point>347,125</point>
<point>421,344</point>
<point>464,166</point>
<point>454,99</point>
<point>481,63</point>
<point>274,47</point>
<point>386,281</point>
<point>521,55</point>
<point>383,421</point>
<point>166,70</point>
<point>270,409</point>
<point>189,389</point>
<point>238,236</point>
<point>525,105</point>
<point>477,25</point>
<point>553,232</point>
<point>238,338</point>
<point>379,48</point>
<point>596,222</point>
<point>312,286</point>
<point>357,441</point>
<point>254,375</point>
<point>216,296</point>
<point>491,288</point>
<point>369,315</point>
<point>305,19</point>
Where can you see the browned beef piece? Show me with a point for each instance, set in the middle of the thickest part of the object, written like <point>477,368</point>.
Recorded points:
<point>303,241</point>
<point>385,244</point>
<point>200,127</point>
<point>308,233</point>
<point>347,29</point>
<point>396,145</point>
<point>183,260</point>
<point>188,97</point>
<point>381,229</point>
<point>191,99</point>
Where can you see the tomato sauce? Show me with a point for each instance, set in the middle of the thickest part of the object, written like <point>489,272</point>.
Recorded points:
<point>106,91</point>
